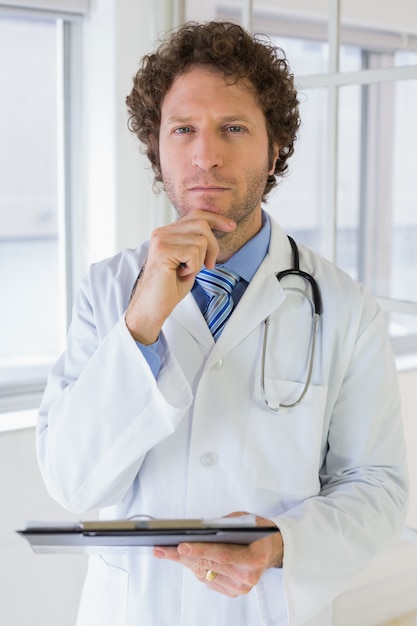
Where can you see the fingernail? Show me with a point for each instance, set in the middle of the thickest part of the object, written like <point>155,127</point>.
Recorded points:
<point>184,548</point>
<point>160,554</point>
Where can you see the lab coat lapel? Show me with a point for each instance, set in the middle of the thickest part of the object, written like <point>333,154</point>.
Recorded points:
<point>187,313</point>
<point>263,295</point>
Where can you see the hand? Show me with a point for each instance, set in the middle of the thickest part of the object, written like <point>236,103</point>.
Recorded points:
<point>177,253</point>
<point>238,567</point>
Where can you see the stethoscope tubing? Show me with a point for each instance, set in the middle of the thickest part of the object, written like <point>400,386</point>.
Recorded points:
<point>317,307</point>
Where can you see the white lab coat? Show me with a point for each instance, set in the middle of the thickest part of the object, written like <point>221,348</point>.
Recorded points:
<point>200,442</point>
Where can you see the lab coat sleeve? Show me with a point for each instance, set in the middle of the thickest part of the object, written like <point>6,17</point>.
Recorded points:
<point>361,507</point>
<point>103,409</point>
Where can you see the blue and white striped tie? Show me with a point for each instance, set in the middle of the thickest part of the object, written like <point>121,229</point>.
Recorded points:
<point>218,284</point>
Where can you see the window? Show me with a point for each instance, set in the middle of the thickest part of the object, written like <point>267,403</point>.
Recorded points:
<point>352,191</point>
<point>35,265</point>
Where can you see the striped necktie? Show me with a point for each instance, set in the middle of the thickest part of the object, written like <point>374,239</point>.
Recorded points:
<point>218,285</point>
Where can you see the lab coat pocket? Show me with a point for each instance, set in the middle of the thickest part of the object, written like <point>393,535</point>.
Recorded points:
<point>283,450</point>
<point>104,600</point>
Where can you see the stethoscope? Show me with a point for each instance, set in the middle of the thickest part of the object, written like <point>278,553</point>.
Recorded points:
<point>317,309</point>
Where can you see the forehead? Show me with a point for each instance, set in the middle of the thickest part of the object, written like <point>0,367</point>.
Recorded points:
<point>207,89</point>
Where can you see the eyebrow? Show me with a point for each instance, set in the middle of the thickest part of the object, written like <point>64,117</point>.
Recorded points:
<point>179,119</point>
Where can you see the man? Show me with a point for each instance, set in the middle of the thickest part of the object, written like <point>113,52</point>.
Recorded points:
<point>154,410</point>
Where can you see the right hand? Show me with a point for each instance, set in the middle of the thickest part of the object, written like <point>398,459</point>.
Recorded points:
<point>177,253</point>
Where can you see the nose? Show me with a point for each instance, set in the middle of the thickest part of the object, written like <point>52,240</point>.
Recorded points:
<point>207,152</point>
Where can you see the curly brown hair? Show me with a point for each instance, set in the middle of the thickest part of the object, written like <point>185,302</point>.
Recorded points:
<point>229,49</point>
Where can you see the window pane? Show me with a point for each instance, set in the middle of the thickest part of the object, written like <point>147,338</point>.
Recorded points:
<point>300,28</point>
<point>299,202</point>
<point>403,331</point>
<point>350,58</point>
<point>404,57</point>
<point>305,57</point>
<point>30,269</point>
<point>381,27</point>
<point>377,187</point>
<point>403,284</point>
<point>349,179</point>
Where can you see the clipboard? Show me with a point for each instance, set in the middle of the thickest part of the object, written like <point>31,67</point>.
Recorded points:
<point>99,537</point>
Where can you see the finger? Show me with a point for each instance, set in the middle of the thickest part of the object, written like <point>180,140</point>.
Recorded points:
<point>214,222</point>
<point>242,563</point>
<point>222,583</point>
<point>222,559</point>
<point>223,553</point>
<point>182,247</point>
<point>165,552</point>
<point>200,566</point>
<point>176,250</point>
<point>228,581</point>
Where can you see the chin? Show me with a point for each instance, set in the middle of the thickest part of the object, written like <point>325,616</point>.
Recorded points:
<point>219,234</point>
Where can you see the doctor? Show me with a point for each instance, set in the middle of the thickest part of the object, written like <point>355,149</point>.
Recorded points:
<point>164,404</point>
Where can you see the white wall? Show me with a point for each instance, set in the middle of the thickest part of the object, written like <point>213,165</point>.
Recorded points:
<point>34,590</point>
<point>118,197</point>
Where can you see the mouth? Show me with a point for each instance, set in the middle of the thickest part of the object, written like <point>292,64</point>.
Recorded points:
<point>207,189</point>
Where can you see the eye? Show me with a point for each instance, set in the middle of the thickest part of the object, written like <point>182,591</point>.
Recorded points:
<point>182,130</point>
<point>236,129</point>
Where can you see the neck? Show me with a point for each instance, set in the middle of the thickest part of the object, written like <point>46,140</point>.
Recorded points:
<point>230,243</point>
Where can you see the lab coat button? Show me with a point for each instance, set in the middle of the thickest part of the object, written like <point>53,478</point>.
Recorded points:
<point>218,364</point>
<point>208,459</point>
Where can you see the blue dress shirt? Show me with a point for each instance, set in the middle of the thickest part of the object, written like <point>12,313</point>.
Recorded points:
<point>244,262</point>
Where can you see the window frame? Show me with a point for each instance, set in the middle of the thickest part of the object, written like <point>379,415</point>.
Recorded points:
<point>333,81</point>
<point>24,393</point>
<point>335,32</point>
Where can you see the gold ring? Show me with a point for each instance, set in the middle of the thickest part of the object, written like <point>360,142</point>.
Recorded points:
<point>210,576</point>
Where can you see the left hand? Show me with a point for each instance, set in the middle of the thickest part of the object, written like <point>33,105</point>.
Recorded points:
<point>238,568</point>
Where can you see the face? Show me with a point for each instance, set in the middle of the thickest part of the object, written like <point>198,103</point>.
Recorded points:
<point>214,150</point>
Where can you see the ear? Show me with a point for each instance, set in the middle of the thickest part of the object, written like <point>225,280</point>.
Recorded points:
<point>274,157</point>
